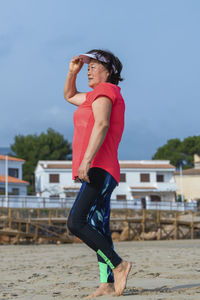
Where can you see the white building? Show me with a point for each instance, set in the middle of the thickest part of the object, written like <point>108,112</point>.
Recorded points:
<point>149,179</point>
<point>16,185</point>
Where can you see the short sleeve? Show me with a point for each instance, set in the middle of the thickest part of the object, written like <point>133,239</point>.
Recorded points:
<point>103,89</point>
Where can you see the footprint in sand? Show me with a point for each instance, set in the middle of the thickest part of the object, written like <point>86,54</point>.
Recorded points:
<point>56,294</point>
<point>140,291</point>
<point>72,284</point>
<point>152,275</point>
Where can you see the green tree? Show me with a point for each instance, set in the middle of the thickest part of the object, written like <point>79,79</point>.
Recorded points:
<point>180,152</point>
<point>46,146</point>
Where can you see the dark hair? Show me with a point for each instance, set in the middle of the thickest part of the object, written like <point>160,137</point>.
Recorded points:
<point>114,65</point>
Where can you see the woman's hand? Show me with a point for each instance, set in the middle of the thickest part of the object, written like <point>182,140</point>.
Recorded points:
<point>83,170</point>
<point>75,65</point>
<point>70,92</point>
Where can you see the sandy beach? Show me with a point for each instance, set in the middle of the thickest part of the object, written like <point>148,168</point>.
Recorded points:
<point>161,270</point>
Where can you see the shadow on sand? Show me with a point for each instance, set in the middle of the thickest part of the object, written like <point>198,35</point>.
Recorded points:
<point>162,289</point>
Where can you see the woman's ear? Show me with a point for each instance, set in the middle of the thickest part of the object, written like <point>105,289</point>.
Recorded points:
<point>109,75</point>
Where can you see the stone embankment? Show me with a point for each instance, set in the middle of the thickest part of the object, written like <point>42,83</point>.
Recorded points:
<point>43,227</point>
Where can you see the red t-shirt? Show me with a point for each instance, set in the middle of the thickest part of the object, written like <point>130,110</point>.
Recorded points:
<point>107,156</point>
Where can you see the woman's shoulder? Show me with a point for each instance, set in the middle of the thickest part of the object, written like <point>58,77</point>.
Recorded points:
<point>106,89</point>
<point>107,86</point>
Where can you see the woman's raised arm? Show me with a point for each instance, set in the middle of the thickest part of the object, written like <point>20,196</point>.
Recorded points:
<point>70,92</point>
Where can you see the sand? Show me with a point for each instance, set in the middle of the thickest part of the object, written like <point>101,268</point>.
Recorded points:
<point>161,270</point>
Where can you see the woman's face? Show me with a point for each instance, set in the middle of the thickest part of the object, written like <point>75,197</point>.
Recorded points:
<point>96,73</point>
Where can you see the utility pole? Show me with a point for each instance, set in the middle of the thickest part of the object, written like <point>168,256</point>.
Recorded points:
<point>181,183</point>
<point>6,180</point>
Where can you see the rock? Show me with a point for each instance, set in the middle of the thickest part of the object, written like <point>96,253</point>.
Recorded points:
<point>166,232</point>
<point>168,228</point>
<point>115,236</point>
<point>127,234</point>
<point>4,239</point>
<point>77,240</point>
<point>23,240</point>
<point>149,236</point>
<point>42,241</point>
<point>66,238</point>
<point>14,241</point>
<point>184,232</point>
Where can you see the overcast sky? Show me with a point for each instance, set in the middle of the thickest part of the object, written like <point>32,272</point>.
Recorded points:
<point>157,41</point>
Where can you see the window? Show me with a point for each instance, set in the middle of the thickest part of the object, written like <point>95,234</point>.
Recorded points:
<point>121,197</point>
<point>122,177</point>
<point>54,178</point>
<point>71,194</point>
<point>160,178</point>
<point>15,191</point>
<point>145,177</point>
<point>2,190</point>
<point>155,198</point>
<point>13,172</point>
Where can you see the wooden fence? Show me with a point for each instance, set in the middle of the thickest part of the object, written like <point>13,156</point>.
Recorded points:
<point>19,225</point>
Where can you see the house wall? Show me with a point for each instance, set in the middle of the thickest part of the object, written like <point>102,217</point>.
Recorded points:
<point>191,186</point>
<point>11,164</point>
<point>133,179</point>
<point>14,165</point>
<point>22,188</point>
<point>45,188</point>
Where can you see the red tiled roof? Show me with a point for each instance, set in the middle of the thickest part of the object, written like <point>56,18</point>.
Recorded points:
<point>189,172</point>
<point>122,166</point>
<point>59,166</point>
<point>11,158</point>
<point>12,180</point>
<point>146,166</point>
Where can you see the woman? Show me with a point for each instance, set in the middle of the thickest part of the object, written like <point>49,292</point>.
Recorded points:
<point>99,124</point>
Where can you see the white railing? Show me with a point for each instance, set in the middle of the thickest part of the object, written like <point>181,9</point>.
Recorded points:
<point>42,202</point>
<point>35,202</point>
<point>165,205</point>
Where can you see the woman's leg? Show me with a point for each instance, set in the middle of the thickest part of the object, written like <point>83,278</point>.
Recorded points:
<point>79,225</point>
<point>99,217</point>
<point>78,222</point>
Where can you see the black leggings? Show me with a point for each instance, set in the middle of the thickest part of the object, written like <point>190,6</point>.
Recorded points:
<point>91,200</point>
